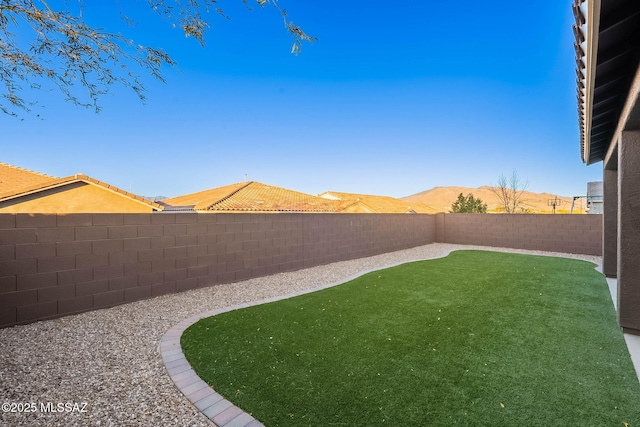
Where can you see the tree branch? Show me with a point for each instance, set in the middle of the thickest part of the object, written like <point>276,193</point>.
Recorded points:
<point>69,55</point>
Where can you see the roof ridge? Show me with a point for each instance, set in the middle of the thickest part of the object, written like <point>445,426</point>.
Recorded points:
<point>107,186</point>
<point>258,196</point>
<point>230,195</point>
<point>56,182</point>
<point>27,170</point>
<point>362,202</point>
<point>345,204</point>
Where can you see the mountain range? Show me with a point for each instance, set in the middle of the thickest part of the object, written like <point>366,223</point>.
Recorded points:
<point>441,199</point>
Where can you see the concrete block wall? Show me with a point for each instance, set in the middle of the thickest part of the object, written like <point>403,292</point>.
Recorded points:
<point>579,234</point>
<point>53,265</point>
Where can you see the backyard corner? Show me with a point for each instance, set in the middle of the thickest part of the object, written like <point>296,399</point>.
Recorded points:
<point>126,382</point>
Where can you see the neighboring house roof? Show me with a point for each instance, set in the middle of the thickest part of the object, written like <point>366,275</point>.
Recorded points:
<point>201,200</point>
<point>13,178</point>
<point>251,196</point>
<point>52,183</point>
<point>375,204</point>
<point>607,40</point>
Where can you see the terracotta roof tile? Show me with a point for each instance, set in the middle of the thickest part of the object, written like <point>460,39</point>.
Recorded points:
<point>254,197</point>
<point>203,199</point>
<point>52,182</point>
<point>13,178</point>
<point>88,179</point>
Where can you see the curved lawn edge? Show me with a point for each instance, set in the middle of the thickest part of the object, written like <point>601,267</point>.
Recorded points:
<point>214,406</point>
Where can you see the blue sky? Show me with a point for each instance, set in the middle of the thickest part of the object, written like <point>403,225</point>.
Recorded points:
<point>392,99</point>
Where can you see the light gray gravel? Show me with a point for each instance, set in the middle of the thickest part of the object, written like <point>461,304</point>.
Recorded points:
<point>109,358</point>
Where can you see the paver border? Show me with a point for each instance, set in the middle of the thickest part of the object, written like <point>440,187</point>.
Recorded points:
<point>214,406</point>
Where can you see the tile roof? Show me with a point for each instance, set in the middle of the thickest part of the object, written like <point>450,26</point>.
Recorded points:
<point>201,200</point>
<point>375,204</point>
<point>253,196</point>
<point>13,178</point>
<point>51,182</point>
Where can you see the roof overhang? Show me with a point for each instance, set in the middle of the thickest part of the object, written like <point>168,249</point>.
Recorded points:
<point>585,29</point>
<point>78,178</point>
<point>607,44</point>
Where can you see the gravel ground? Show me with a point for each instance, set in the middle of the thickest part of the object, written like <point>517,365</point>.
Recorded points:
<point>107,363</point>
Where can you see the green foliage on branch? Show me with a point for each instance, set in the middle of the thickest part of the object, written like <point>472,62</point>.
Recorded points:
<point>58,49</point>
<point>468,204</point>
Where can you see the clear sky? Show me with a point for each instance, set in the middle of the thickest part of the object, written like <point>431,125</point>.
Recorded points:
<point>394,98</point>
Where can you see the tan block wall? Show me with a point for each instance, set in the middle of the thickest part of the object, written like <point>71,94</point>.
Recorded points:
<point>579,234</point>
<point>78,197</point>
<point>53,265</point>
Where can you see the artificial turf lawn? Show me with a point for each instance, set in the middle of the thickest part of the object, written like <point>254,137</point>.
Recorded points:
<point>473,339</point>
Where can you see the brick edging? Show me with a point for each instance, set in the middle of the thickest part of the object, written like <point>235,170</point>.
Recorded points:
<point>214,406</point>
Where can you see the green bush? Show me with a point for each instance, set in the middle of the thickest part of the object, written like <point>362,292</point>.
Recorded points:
<point>468,204</point>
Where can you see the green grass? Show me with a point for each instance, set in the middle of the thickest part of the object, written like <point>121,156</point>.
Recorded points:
<point>473,339</point>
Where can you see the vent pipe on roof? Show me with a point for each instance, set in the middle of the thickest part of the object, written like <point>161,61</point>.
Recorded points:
<point>245,177</point>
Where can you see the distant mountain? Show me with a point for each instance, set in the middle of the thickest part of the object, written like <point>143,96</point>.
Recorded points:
<point>441,198</point>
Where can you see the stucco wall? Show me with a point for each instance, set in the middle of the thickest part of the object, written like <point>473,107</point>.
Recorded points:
<point>52,265</point>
